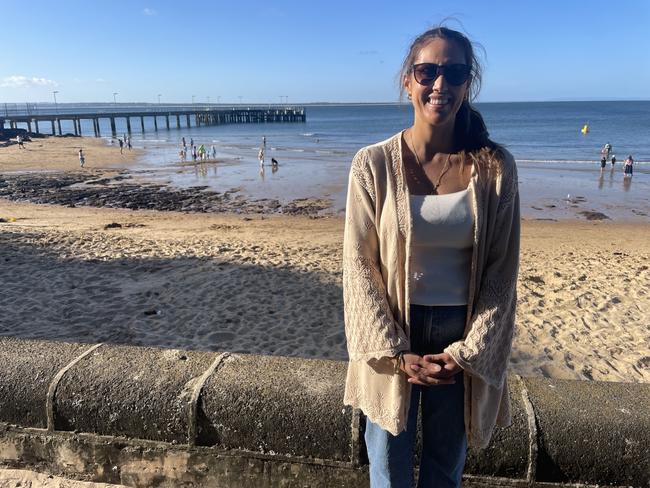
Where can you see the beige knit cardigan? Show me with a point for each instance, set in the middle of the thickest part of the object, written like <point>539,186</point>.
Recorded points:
<point>376,258</point>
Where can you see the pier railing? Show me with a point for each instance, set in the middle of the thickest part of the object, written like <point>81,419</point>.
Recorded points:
<point>8,110</point>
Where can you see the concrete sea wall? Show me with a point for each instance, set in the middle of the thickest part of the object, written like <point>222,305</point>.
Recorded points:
<point>155,417</point>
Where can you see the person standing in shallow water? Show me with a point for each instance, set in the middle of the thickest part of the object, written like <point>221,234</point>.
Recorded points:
<point>430,260</point>
<point>629,167</point>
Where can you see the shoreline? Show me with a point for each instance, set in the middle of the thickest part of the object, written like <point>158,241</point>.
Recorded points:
<point>270,284</point>
<point>308,182</point>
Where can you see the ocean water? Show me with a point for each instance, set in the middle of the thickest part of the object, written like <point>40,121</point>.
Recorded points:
<point>556,161</point>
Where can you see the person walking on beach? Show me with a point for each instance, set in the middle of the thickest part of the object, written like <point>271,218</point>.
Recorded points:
<point>603,163</point>
<point>82,158</point>
<point>213,150</point>
<point>260,156</point>
<point>128,143</point>
<point>121,145</point>
<point>613,160</point>
<point>606,150</point>
<point>183,142</point>
<point>19,140</point>
<point>427,320</point>
<point>629,167</point>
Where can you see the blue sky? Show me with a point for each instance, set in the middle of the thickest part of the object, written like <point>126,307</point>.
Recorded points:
<point>309,51</point>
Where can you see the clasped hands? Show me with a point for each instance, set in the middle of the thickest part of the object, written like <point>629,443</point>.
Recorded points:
<point>430,369</point>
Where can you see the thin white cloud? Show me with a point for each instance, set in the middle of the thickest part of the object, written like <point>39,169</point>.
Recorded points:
<point>100,80</point>
<point>18,81</point>
<point>150,12</point>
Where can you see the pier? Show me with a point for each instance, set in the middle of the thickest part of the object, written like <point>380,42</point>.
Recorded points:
<point>49,121</point>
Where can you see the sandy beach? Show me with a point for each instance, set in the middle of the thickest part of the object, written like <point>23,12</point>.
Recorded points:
<point>230,273</point>
<point>61,154</point>
<point>271,285</point>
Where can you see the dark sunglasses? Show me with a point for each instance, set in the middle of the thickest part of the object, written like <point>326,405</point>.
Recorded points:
<point>427,73</point>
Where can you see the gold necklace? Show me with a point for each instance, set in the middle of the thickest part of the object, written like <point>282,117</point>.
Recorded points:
<point>445,168</point>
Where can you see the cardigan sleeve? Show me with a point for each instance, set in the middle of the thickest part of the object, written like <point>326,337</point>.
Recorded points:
<point>370,327</point>
<point>485,351</point>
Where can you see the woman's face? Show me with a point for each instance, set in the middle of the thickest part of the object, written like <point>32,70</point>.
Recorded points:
<point>436,104</point>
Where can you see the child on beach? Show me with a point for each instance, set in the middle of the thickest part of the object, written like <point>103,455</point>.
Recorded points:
<point>82,159</point>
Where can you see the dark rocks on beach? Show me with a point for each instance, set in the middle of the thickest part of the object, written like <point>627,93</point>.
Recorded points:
<point>592,215</point>
<point>93,190</point>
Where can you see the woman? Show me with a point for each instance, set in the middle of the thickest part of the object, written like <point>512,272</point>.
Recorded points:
<point>629,167</point>
<point>430,261</point>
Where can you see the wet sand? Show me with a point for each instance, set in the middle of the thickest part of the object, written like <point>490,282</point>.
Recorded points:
<point>272,285</point>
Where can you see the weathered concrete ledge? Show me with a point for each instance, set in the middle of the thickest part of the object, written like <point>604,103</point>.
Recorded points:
<point>156,417</point>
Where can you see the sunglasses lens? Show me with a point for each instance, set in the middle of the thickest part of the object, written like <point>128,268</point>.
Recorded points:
<point>425,74</point>
<point>457,74</point>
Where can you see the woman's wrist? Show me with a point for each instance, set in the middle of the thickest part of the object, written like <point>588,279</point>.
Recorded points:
<point>399,361</point>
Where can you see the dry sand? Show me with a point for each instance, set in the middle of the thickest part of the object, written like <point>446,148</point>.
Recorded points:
<point>61,154</point>
<point>271,285</point>
<point>23,478</point>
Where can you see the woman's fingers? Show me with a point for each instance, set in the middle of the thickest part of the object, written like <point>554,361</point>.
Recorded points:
<point>449,366</point>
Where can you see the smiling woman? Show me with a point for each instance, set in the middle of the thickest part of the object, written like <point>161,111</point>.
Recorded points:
<point>430,260</point>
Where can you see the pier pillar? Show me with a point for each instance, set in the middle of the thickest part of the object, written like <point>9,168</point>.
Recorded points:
<point>79,125</point>
<point>128,125</point>
<point>155,123</point>
<point>74,124</point>
<point>99,131</point>
<point>113,131</point>
<point>53,129</point>
<point>178,121</point>
<point>58,124</point>
<point>167,121</point>
<point>36,126</point>
<point>188,120</point>
<point>94,121</point>
<point>142,123</point>
<point>29,126</point>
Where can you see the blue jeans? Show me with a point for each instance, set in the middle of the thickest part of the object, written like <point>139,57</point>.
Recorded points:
<point>444,444</point>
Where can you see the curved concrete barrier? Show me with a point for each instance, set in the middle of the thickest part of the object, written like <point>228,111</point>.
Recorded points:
<point>156,417</point>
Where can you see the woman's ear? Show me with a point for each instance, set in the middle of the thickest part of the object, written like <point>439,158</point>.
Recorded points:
<point>406,83</point>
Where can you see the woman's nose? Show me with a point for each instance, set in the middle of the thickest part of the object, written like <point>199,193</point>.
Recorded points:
<point>440,83</point>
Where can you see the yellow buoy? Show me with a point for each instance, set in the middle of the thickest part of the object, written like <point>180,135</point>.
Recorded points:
<point>585,129</point>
